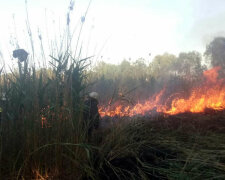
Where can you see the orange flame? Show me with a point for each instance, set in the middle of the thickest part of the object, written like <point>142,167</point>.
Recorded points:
<point>211,95</point>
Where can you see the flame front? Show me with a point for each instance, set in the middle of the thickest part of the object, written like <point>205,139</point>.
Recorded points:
<point>210,95</point>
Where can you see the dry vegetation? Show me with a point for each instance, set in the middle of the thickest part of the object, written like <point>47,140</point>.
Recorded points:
<point>42,137</point>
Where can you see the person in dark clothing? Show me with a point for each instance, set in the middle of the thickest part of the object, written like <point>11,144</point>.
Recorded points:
<point>91,114</point>
<point>2,105</point>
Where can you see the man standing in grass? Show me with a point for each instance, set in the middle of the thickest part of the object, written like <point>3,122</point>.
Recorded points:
<point>91,114</point>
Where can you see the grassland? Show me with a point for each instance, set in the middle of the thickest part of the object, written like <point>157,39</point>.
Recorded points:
<point>42,134</point>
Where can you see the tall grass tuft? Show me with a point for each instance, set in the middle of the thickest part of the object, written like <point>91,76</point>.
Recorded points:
<point>42,133</point>
<point>41,125</point>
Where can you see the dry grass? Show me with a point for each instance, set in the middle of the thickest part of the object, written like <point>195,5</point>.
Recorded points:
<point>42,136</point>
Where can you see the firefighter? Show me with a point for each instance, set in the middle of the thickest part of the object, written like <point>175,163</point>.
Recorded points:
<point>91,114</point>
<point>2,104</point>
<point>1,114</point>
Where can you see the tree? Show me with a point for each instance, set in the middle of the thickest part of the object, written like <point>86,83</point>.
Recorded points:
<point>189,65</point>
<point>161,66</point>
<point>140,69</point>
<point>108,70</point>
<point>215,52</point>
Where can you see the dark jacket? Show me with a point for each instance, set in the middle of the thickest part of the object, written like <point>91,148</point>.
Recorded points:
<point>91,114</point>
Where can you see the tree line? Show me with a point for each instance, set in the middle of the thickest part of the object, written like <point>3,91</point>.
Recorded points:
<point>130,81</point>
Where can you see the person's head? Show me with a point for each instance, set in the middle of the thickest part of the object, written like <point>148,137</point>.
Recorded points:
<point>94,95</point>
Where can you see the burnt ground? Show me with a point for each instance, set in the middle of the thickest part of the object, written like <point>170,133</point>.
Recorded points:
<point>207,121</point>
<point>159,146</point>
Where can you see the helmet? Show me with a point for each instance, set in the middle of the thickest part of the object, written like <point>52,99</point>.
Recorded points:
<point>94,95</point>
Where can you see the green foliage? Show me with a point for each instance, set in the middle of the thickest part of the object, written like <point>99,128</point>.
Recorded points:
<point>161,66</point>
<point>135,81</point>
<point>189,65</point>
<point>41,109</point>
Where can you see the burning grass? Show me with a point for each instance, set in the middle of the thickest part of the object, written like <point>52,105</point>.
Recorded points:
<point>209,94</point>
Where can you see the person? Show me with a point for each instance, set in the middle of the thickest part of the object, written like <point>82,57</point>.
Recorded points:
<point>2,104</point>
<point>91,114</point>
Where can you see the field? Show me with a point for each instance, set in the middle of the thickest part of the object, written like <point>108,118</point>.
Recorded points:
<point>185,146</point>
<point>42,136</point>
<point>159,120</point>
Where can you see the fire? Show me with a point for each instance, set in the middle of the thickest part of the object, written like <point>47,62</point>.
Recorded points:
<point>210,95</point>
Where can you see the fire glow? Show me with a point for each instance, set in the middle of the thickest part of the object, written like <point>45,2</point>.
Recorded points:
<point>209,95</point>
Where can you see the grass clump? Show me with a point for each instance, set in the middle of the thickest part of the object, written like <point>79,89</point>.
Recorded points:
<point>41,119</point>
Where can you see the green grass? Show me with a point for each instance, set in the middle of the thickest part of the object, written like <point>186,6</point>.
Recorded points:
<point>26,141</point>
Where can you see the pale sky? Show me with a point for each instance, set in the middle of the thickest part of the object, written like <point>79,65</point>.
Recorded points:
<point>116,29</point>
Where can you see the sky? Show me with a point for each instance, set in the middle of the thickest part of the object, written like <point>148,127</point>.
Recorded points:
<point>114,29</point>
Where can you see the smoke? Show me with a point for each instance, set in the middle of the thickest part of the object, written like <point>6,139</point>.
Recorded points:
<point>207,22</point>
